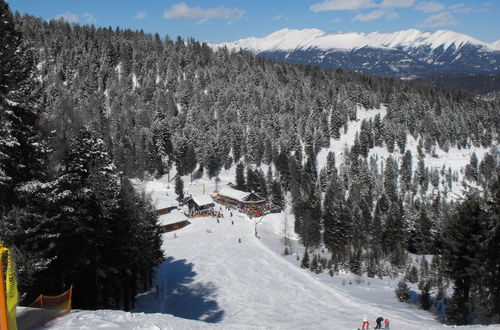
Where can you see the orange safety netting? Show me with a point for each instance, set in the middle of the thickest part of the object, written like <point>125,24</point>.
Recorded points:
<point>61,302</point>
<point>44,309</point>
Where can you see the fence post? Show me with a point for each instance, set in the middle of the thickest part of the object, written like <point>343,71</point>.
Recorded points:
<point>70,297</point>
<point>41,308</point>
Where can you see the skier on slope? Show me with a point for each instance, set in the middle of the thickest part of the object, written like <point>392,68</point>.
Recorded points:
<point>386,322</point>
<point>366,324</point>
<point>379,322</point>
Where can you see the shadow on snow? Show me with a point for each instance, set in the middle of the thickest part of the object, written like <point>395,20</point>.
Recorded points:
<point>185,298</point>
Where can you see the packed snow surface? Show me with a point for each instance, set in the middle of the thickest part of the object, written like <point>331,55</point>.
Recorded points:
<point>291,39</point>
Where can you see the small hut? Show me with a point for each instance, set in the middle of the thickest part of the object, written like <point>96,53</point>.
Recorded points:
<point>174,220</point>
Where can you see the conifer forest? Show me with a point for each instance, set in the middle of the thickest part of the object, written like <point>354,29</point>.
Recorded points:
<point>85,111</point>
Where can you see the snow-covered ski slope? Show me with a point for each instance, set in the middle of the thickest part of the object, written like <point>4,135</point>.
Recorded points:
<point>209,280</point>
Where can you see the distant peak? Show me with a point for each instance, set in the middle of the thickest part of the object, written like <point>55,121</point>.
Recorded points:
<point>289,39</point>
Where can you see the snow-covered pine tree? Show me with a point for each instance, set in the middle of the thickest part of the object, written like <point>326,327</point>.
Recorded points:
<point>240,176</point>
<point>462,255</point>
<point>179,187</point>
<point>21,150</point>
<point>403,291</point>
<point>24,225</point>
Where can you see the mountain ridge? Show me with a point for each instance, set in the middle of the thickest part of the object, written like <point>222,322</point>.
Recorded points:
<point>290,39</point>
<point>405,54</point>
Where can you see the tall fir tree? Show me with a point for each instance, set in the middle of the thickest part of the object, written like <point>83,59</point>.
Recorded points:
<point>179,187</point>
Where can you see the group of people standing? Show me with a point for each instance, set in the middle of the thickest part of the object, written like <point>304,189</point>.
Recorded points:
<point>379,320</point>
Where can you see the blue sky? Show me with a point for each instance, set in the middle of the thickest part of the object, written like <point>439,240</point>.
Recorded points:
<point>228,20</point>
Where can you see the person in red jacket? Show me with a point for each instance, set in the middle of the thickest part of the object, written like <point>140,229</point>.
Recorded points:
<point>386,322</point>
<point>365,324</point>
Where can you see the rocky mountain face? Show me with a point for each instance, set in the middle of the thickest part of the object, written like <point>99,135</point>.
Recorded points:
<point>403,54</point>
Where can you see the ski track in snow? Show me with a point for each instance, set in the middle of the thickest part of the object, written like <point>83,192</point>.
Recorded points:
<point>209,280</point>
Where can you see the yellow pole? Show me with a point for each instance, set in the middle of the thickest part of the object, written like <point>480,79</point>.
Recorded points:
<point>3,305</point>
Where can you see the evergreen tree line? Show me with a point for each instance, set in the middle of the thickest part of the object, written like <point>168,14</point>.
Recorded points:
<point>72,218</point>
<point>159,102</point>
<point>468,258</point>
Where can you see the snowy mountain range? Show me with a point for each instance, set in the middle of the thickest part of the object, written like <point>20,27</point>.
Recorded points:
<point>401,54</point>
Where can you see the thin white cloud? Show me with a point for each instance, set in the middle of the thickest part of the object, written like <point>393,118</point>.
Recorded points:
<point>456,5</point>
<point>391,15</point>
<point>460,8</point>
<point>183,11</point>
<point>141,15</point>
<point>89,18</point>
<point>386,13</point>
<point>442,19</point>
<point>277,17</point>
<point>397,3</point>
<point>373,15</point>
<point>342,5</point>
<point>336,20</point>
<point>68,17</point>
<point>359,4</point>
<point>202,21</point>
<point>429,6</point>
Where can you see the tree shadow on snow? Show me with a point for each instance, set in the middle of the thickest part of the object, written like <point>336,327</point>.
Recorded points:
<point>185,298</point>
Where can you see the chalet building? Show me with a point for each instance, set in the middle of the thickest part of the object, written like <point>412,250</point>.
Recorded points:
<point>232,195</point>
<point>165,210</point>
<point>175,219</point>
<point>200,203</point>
<point>246,202</point>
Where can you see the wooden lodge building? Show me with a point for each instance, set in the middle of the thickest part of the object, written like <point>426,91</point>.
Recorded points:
<point>175,219</point>
<point>200,203</point>
<point>247,202</point>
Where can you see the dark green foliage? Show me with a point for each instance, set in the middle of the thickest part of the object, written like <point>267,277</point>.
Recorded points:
<point>22,152</point>
<point>179,187</point>
<point>490,279</point>
<point>101,230</point>
<point>471,170</point>
<point>277,197</point>
<point>315,266</point>
<point>356,262</point>
<point>412,275</point>
<point>337,222</point>
<point>425,297</point>
<point>421,238</point>
<point>395,229</point>
<point>372,264</point>
<point>240,177</point>
<point>406,169</point>
<point>424,274</point>
<point>462,255</point>
<point>305,263</point>
<point>403,291</point>
<point>252,180</point>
